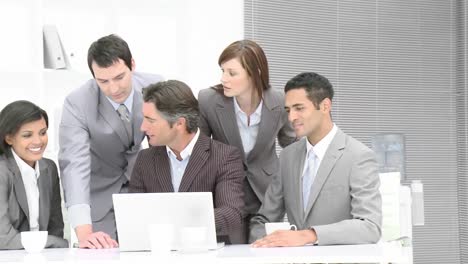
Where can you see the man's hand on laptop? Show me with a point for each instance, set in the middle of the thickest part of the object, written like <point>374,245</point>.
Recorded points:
<point>94,240</point>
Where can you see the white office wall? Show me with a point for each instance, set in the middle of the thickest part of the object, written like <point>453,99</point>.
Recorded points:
<point>179,39</point>
<point>18,52</point>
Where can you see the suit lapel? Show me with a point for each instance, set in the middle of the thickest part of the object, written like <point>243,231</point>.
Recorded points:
<point>297,167</point>
<point>198,158</point>
<point>271,112</point>
<point>162,170</point>
<point>334,152</point>
<point>44,184</point>
<point>227,118</point>
<point>18,185</point>
<point>109,114</point>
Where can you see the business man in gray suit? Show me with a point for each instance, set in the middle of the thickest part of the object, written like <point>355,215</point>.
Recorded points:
<point>99,140</point>
<point>182,159</point>
<point>328,182</point>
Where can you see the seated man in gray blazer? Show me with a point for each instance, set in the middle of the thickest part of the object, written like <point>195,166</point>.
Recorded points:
<point>182,159</point>
<point>99,139</point>
<point>328,182</point>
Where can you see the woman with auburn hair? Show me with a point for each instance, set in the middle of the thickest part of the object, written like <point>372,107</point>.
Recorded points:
<point>29,184</point>
<point>244,111</point>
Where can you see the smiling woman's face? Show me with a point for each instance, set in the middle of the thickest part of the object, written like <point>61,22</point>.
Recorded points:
<point>30,142</point>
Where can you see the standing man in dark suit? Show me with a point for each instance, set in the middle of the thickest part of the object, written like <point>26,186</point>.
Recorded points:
<point>99,139</point>
<point>182,159</point>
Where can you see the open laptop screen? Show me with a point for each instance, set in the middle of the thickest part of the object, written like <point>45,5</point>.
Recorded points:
<point>134,212</point>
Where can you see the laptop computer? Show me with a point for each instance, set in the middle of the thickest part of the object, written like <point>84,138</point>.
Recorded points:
<point>134,212</point>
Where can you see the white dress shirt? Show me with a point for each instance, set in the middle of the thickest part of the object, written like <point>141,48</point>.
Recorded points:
<point>128,102</point>
<point>248,132</point>
<point>178,166</point>
<point>319,149</point>
<point>30,176</point>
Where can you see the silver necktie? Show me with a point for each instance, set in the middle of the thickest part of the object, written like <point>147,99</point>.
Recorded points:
<point>309,177</point>
<point>123,112</point>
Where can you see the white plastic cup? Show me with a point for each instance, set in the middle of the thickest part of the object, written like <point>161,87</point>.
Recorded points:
<point>272,227</point>
<point>34,241</point>
<point>161,237</point>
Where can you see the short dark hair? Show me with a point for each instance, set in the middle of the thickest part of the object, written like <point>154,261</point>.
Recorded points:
<point>316,86</point>
<point>174,99</point>
<point>253,59</point>
<point>16,114</point>
<point>108,50</point>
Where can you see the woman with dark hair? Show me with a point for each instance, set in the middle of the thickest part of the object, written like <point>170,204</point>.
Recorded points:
<point>245,112</point>
<point>29,184</point>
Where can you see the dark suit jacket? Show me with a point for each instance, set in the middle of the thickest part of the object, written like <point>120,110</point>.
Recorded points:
<point>218,120</point>
<point>14,212</point>
<point>213,167</point>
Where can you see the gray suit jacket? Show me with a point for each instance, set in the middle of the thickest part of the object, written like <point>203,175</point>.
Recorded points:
<point>14,212</point>
<point>345,203</point>
<point>218,120</point>
<point>96,156</point>
<point>213,167</point>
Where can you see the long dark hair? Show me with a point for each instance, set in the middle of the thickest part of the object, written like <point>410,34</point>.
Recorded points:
<point>14,115</point>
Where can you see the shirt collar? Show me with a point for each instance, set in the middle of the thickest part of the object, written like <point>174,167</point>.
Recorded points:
<point>128,102</point>
<point>187,151</point>
<point>24,167</point>
<point>321,147</point>
<point>258,110</point>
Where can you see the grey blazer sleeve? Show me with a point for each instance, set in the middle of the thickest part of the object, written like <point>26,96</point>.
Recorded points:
<point>74,156</point>
<point>364,226</point>
<point>272,209</point>
<point>203,105</point>
<point>286,134</point>
<point>9,236</point>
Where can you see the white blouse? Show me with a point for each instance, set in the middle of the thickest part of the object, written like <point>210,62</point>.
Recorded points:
<point>30,176</point>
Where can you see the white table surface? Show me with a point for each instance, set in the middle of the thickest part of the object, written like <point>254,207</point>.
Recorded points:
<point>372,253</point>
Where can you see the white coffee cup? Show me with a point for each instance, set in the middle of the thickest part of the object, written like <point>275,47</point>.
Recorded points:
<point>272,227</point>
<point>161,237</point>
<point>193,238</point>
<point>34,241</point>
